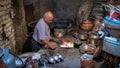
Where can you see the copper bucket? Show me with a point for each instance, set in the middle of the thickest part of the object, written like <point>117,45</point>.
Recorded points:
<point>86,25</point>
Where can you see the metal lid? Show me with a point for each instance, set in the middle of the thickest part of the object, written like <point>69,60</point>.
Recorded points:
<point>94,36</point>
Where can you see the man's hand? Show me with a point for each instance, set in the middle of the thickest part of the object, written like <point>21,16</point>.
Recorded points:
<point>53,47</point>
<point>51,38</point>
<point>49,44</point>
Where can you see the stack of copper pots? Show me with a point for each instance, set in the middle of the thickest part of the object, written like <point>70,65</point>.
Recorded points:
<point>95,39</point>
<point>87,52</point>
<point>86,25</point>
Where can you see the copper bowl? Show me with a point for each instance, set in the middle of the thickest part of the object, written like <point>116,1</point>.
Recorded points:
<point>87,48</point>
<point>67,42</point>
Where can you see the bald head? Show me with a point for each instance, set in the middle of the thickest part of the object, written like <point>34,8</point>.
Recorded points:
<point>48,17</point>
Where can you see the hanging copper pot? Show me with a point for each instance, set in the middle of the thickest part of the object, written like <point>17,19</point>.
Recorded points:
<point>86,25</point>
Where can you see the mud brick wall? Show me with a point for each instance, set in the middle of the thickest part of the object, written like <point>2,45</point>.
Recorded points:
<point>7,38</point>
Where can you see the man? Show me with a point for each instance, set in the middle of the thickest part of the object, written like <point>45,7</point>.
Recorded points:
<point>41,35</point>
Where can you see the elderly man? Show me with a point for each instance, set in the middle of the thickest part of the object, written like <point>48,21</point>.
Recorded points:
<point>41,35</point>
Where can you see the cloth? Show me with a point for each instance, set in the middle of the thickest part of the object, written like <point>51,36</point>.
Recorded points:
<point>41,31</point>
<point>114,15</point>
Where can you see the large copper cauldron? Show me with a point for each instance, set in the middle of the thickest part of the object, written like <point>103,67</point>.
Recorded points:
<point>86,25</point>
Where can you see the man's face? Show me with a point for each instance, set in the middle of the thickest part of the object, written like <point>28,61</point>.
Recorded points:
<point>49,19</point>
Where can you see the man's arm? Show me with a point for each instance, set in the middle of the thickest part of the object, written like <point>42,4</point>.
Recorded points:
<point>49,44</point>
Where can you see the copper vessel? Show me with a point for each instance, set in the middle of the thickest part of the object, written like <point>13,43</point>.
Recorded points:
<point>87,64</point>
<point>87,48</point>
<point>83,37</point>
<point>86,25</point>
<point>67,42</point>
<point>93,39</point>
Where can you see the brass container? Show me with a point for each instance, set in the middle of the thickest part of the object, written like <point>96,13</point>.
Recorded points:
<point>86,25</point>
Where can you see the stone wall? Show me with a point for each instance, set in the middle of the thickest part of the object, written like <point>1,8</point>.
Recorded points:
<point>7,37</point>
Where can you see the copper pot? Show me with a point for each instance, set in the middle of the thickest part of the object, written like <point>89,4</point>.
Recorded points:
<point>82,36</point>
<point>93,39</point>
<point>87,25</point>
<point>58,34</point>
<point>67,42</point>
<point>87,64</point>
<point>97,52</point>
<point>87,48</point>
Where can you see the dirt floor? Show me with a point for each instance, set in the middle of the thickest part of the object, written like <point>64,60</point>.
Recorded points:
<point>71,59</point>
